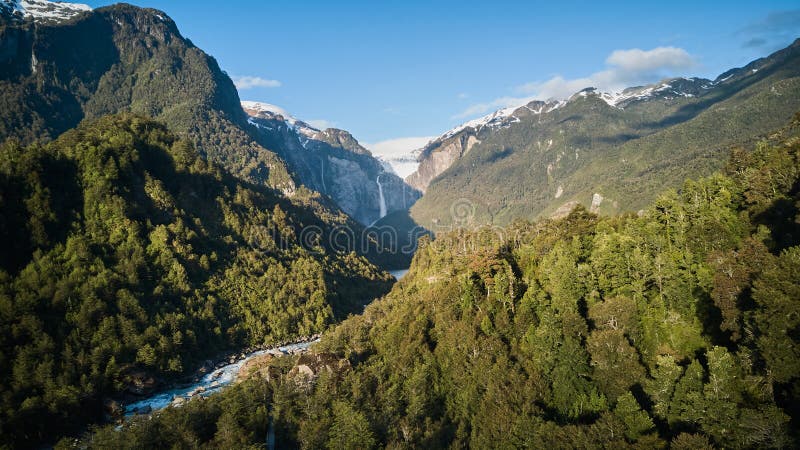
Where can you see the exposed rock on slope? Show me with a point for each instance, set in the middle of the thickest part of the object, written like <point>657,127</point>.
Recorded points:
<point>437,156</point>
<point>332,162</point>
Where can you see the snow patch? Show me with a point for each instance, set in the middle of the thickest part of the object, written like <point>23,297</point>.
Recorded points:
<point>272,112</point>
<point>47,11</point>
<point>503,117</point>
<point>668,89</point>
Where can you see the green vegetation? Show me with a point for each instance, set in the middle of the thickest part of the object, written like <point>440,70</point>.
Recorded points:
<point>238,419</point>
<point>123,58</point>
<point>677,327</point>
<point>628,156</point>
<point>126,59</point>
<point>127,256</point>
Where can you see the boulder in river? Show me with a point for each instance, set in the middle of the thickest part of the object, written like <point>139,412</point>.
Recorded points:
<point>139,382</point>
<point>207,366</point>
<point>113,408</point>
<point>196,391</point>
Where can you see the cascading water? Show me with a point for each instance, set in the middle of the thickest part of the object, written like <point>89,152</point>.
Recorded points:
<point>322,174</point>
<point>381,198</point>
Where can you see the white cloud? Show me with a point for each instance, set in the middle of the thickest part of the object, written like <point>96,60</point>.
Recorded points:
<point>625,68</point>
<point>660,58</point>
<point>320,124</point>
<point>557,87</point>
<point>248,82</point>
<point>399,146</point>
<point>463,95</point>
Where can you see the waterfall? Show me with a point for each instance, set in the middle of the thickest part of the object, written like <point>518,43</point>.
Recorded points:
<point>322,174</point>
<point>381,198</point>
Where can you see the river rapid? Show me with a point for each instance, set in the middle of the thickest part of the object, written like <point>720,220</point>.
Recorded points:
<point>217,379</point>
<point>210,383</point>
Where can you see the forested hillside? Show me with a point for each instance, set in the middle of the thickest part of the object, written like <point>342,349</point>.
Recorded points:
<point>675,327</point>
<point>123,58</point>
<point>612,155</point>
<point>127,257</point>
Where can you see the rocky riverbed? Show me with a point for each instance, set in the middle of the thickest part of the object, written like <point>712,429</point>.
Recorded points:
<point>211,378</point>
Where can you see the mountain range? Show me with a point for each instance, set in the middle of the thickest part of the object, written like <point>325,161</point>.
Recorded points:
<point>61,63</point>
<point>154,224</point>
<point>611,152</point>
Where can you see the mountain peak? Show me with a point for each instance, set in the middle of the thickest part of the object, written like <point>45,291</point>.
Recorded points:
<point>43,10</point>
<point>268,111</point>
<point>332,136</point>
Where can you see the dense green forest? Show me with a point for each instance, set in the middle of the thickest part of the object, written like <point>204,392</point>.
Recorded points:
<point>677,327</point>
<point>127,256</point>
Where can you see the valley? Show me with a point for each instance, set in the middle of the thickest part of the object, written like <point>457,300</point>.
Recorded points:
<point>608,261</point>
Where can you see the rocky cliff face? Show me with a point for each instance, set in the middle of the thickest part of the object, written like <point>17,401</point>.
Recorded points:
<point>332,162</point>
<point>440,154</point>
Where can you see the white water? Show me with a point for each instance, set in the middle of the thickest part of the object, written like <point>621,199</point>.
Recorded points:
<point>380,195</point>
<point>211,383</point>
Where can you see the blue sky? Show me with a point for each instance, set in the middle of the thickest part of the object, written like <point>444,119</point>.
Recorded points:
<point>388,70</point>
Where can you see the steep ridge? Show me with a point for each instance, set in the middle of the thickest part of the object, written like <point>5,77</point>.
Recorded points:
<point>121,58</point>
<point>61,63</point>
<point>613,151</point>
<point>332,162</point>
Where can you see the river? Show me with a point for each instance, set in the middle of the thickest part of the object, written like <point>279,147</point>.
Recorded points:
<point>217,379</point>
<point>209,384</point>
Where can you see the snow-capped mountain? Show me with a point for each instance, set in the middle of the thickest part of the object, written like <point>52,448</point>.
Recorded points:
<point>43,10</point>
<point>269,111</point>
<point>610,151</point>
<point>332,162</point>
<point>442,152</point>
<point>667,89</point>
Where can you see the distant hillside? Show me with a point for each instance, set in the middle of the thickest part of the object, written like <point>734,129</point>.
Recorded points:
<point>610,153</point>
